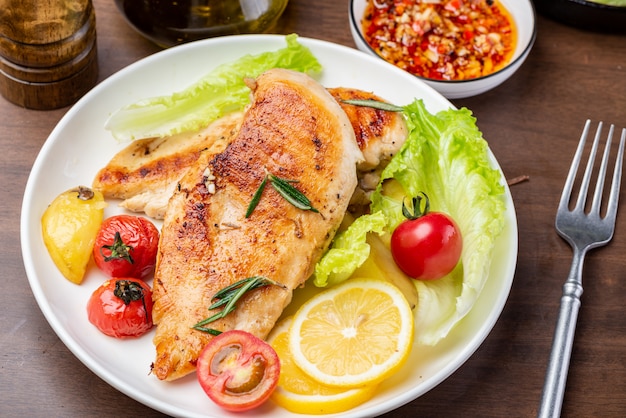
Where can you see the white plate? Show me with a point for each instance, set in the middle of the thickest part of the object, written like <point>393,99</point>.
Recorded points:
<point>79,146</point>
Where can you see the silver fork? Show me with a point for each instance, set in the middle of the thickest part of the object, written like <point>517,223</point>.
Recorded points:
<point>583,231</point>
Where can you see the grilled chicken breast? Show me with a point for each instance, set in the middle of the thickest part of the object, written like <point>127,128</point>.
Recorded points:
<point>295,130</point>
<point>380,135</point>
<point>145,173</point>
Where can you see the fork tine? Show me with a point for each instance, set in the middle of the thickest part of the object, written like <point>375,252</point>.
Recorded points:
<point>597,195</point>
<point>611,211</point>
<point>584,186</point>
<point>569,182</point>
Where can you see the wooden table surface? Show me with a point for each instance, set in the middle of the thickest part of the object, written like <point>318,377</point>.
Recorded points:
<point>532,123</point>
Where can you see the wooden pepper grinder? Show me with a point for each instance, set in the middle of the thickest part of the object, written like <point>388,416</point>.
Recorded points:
<point>48,51</point>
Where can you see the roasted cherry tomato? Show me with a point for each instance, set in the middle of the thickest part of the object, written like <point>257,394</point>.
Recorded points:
<point>238,371</point>
<point>126,246</point>
<point>121,308</point>
<point>427,245</point>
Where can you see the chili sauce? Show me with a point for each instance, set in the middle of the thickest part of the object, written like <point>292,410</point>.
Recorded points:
<point>441,39</point>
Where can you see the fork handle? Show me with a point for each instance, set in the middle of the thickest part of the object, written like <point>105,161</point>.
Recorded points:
<point>556,375</point>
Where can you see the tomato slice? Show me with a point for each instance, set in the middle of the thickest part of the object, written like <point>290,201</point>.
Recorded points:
<point>238,370</point>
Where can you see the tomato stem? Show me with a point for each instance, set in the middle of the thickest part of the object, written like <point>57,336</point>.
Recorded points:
<point>119,250</point>
<point>130,291</point>
<point>85,193</point>
<point>417,206</point>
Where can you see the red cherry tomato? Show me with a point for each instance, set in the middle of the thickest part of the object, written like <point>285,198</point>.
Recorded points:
<point>238,371</point>
<point>427,245</point>
<point>126,246</point>
<point>121,308</point>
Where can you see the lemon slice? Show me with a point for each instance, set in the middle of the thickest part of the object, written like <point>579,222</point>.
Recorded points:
<point>298,393</point>
<point>356,333</point>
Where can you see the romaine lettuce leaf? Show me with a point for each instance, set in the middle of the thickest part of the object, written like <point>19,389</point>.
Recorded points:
<point>219,92</point>
<point>617,3</point>
<point>349,250</point>
<point>446,157</point>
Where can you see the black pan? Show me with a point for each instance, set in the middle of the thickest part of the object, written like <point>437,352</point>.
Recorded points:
<point>585,14</point>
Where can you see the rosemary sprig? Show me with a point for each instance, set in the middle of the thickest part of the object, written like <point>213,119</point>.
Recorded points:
<point>256,198</point>
<point>228,297</point>
<point>285,189</point>
<point>375,104</point>
<point>290,193</point>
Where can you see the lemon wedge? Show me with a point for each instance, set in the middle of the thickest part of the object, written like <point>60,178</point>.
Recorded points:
<point>299,393</point>
<point>356,333</point>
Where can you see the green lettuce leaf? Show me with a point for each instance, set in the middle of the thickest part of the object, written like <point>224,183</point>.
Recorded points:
<point>221,91</point>
<point>446,157</point>
<point>349,250</point>
<point>617,3</point>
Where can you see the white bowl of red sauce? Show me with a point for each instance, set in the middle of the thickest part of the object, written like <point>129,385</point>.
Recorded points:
<point>461,48</point>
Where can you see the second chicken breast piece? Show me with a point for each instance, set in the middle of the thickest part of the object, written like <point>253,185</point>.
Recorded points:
<point>295,130</point>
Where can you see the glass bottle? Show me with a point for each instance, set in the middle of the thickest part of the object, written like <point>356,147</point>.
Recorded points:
<point>172,22</point>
